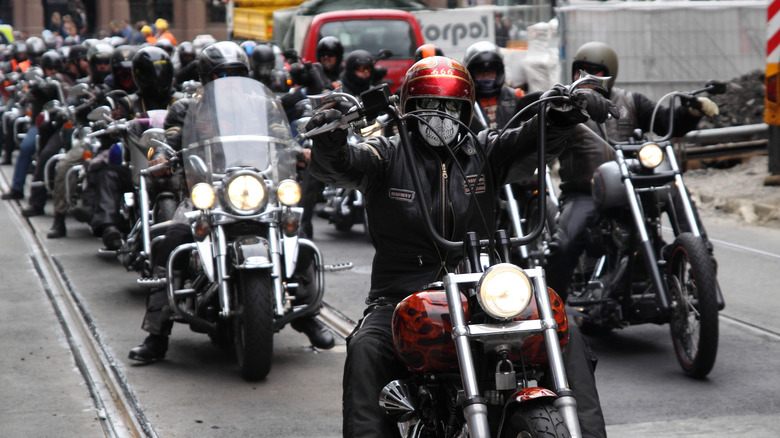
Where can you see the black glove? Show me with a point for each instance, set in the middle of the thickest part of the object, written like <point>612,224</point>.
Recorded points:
<point>598,107</point>
<point>586,103</point>
<point>335,138</point>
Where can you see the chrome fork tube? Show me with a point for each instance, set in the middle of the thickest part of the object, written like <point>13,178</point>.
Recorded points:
<point>145,216</point>
<point>647,247</point>
<point>683,192</point>
<point>514,215</point>
<point>475,407</point>
<point>276,271</point>
<point>566,403</point>
<point>220,257</point>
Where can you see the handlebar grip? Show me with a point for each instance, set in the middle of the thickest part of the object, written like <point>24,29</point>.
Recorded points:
<point>332,126</point>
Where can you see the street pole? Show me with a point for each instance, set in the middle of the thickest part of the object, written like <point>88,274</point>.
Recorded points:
<point>772,97</point>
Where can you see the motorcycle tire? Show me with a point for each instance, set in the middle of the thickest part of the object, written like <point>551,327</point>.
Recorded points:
<point>253,323</point>
<point>694,308</point>
<point>534,420</point>
<point>164,209</point>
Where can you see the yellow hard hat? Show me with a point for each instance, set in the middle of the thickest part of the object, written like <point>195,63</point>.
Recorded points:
<point>161,24</point>
<point>146,30</point>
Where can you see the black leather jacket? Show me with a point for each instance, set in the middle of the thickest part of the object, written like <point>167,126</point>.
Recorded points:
<point>406,259</point>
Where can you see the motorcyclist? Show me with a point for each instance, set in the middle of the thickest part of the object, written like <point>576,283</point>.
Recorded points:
<point>406,260</point>
<point>121,65</point>
<point>357,76</point>
<point>98,61</point>
<point>578,210</point>
<point>330,53</point>
<point>264,68</point>
<point>187,68</point>
<point>496,101</point>
<point>49,140</point>
<point>152,73</point>
<point>217,60</point>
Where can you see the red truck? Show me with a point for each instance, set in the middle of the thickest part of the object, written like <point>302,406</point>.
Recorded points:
<point>371,30</point>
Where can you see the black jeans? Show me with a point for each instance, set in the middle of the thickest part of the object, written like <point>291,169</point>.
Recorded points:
<point>372,363</point>
<point>578,212</point>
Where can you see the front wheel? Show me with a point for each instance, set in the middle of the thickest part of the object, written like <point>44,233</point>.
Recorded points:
<point>694,308</point>
<point>534,420</point>
<point>253,323</point>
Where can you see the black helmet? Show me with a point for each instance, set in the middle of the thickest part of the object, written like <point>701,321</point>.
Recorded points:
<point>51,59</point>
<point>223,58</point>
<point>122,67</point>
<point>427,50</point>
<point>596,56</point>
<point>98,56</point>
<point>484,56</point>
<point>77,52</point>
<point>19,50</point>
<point>263,61</point>
<point>153,72</point>
<point>330,46</point>
<point>186,53</point>
<point>355,60</point>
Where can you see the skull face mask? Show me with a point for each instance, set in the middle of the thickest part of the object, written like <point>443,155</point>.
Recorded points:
<point>439,128</point>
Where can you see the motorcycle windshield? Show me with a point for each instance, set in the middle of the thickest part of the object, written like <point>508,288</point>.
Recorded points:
<point>236,123</point>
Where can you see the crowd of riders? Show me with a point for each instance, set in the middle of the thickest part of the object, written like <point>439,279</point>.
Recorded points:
<point>50,88</point>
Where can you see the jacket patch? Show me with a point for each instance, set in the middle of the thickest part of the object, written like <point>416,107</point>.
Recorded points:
<point>401,194</point>
<point>472,181</point>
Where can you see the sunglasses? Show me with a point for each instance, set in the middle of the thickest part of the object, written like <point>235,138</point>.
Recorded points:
<point>363,68</point>
<point>449,105</point>
<point>592,69</point>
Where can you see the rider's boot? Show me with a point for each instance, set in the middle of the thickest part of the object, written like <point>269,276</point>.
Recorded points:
<point>151,350</point>
<point>57,229</point>
<point>318,334</point>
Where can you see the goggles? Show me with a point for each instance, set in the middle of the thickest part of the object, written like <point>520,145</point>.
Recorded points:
<point>449,105</point>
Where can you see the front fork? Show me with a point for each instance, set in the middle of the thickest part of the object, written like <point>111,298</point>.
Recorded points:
<point>475,408</point>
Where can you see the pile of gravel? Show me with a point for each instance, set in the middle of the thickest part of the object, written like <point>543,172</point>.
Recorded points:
<point>742,104</point>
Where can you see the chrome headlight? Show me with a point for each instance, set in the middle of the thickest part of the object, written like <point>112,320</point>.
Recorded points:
<point>651,156</point>
<point>245,192</point>
<point>202,196</point>
<point>289,192</point>
<point>504,291</point>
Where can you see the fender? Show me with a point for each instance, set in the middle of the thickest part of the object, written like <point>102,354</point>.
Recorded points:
<point>528,394</point>
<point>251,252</point>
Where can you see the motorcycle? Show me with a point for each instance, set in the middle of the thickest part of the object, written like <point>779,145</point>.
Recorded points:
<point>475,370</point>
<point>150,206</point>
<point>629,274</point>
<point>247,264</point>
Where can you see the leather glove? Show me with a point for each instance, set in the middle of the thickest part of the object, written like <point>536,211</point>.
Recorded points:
<point>702,106</point>
<point>330,139</point>
<point>598,107</point>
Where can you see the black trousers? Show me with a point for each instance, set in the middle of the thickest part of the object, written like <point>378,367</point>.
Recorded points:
<point>578,212</point>
<point>372,363</point>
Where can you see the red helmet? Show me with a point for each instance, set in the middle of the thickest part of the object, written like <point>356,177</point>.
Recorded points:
<point>439,77</point>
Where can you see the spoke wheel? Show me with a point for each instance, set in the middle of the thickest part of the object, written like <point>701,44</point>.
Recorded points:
<point>694,309</point>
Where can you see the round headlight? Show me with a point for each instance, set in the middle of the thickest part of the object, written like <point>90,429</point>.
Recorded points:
<point>651,155</point>
<point>289,192</point>
<point>202,196</point>
<point>245,192</point>
<point>504,291</point>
